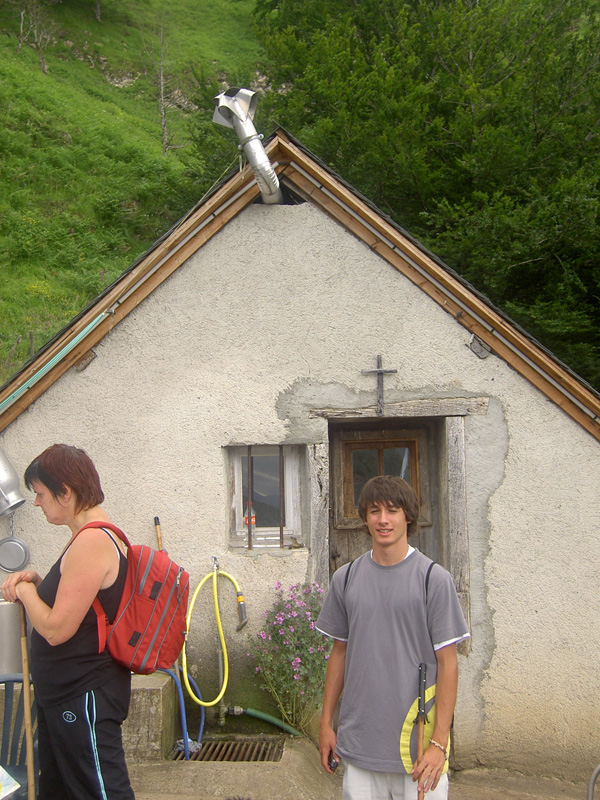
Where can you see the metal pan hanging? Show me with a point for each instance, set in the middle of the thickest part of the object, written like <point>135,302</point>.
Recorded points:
<point>14,554</point>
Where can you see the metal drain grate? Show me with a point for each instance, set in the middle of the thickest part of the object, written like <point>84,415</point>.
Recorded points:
<point>239,751</point>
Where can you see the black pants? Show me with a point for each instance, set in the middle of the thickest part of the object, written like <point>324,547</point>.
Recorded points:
<point>81,750</point>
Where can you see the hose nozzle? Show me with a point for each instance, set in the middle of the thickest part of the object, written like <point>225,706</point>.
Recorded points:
<point>243,619</point>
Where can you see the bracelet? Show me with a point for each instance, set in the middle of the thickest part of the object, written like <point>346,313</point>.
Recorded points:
<point>439,746</point>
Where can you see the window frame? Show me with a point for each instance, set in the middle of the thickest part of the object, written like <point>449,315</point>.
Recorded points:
<point>267,537</point>
<point>347,439</point>
<point>350,509</point>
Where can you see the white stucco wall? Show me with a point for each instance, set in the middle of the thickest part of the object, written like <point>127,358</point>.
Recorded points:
<point>275,316</point>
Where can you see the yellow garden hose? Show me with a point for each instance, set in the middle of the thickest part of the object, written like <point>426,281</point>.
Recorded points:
<point>214,573</point>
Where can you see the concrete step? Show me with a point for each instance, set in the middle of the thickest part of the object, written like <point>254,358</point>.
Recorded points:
<point>298,776</point>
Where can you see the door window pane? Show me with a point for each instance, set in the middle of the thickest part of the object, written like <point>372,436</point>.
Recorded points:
<point>365,465</point>
<point>396,461</point>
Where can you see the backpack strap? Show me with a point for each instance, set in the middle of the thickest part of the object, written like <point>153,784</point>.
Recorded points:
<point>96,605</point>
<point>347,575</point>
<point>102,623</point>
<point>427,579</point>
<point>110,526</point>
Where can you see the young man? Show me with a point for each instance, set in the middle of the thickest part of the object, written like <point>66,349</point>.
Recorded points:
<point>387,617</point>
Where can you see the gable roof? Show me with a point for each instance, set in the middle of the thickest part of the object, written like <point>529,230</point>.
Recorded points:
<point>305,176</point>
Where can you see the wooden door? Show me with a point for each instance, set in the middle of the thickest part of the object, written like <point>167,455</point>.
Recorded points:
<point>362,449</point>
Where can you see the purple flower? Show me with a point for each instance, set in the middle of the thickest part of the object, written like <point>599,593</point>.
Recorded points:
<point>291,621</point>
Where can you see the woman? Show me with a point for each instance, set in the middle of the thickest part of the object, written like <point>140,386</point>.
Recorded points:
<point>82,695</point>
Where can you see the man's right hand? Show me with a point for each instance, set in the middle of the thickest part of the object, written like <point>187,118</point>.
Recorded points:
<point>327,743</point>
<point>334,684</point>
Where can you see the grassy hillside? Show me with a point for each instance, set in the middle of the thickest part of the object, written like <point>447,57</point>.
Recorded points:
<point>84,186</point>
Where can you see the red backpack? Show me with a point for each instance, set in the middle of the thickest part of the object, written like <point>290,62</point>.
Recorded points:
<point>150,625</point>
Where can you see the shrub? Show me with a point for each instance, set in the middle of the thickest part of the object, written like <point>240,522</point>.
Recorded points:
<point>291,655</point>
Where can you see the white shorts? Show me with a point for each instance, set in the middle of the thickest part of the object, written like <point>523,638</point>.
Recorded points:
<point>365,784</point>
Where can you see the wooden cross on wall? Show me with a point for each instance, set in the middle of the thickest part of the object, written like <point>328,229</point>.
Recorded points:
<point>380,372</point>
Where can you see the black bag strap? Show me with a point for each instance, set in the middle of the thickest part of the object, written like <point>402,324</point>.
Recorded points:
<point>427,579</point>
<point>347,577</point>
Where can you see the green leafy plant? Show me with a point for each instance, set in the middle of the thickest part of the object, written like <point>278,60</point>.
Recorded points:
<point>291,655</point>
<point>85,189</point>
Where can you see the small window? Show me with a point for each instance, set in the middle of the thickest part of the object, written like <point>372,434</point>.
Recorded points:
<point>266,496</point>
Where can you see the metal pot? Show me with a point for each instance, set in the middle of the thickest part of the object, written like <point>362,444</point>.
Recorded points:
<point>10,638</point>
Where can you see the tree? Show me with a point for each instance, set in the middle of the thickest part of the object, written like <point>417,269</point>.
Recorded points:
<point>473,123</point>
<point>158,68</point>
<point>36,26</point>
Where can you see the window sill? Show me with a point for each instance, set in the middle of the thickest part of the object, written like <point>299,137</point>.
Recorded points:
<point>267,545</point>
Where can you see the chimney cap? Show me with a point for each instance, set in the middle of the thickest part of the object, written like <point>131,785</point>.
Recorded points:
<point>234,102</point>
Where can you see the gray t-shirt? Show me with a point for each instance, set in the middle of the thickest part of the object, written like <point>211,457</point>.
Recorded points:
<point>391,628</point>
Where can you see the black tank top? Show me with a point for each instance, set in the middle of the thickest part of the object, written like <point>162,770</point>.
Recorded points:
<point>68,670</point>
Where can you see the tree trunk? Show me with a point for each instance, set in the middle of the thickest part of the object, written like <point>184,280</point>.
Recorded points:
<point>21,34</point>
<point>162,100</point>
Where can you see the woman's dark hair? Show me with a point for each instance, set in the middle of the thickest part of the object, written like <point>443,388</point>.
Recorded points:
<point>390,490</point>
<point>62,465</point>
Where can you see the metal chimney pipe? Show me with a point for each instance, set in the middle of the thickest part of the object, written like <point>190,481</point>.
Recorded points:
<point>235,109</point>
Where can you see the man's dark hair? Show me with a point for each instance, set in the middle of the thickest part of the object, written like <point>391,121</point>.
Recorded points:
<point>62,465</point>
<point>390,490</point>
